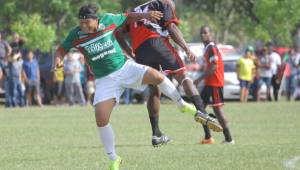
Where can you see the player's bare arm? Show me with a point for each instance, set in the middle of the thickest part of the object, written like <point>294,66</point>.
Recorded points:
<point>208,72</point>
<point>177,37</point>
<point>121,37</point>
<point>151,15</point>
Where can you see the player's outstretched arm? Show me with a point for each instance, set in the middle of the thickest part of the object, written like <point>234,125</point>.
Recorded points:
<point>151,15</point>
<point>121,37</point>
<point>177,37</point>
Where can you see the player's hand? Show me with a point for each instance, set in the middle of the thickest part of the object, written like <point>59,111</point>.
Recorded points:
<point>191,56</point>
<point>196,82</point>
<point>154,15</point>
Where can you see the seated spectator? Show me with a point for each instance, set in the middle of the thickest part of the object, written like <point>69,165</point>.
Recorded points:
<point>31,74</point>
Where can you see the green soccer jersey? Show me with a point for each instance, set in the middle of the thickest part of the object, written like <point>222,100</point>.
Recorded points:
<point>101,49</point>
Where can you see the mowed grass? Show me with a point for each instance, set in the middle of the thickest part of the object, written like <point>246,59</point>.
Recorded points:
<point>267,136</point>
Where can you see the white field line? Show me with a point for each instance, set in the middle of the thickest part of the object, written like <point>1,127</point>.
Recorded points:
<point>291,163</point>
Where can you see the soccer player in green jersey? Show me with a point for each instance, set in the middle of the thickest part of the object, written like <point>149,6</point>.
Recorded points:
<point>95,39</point>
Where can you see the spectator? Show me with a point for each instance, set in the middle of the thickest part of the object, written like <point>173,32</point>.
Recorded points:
<point>275,65</point>
<point>14,91</point>
<point>83,75</point>
<point>31,74</point>
<point>245,72</point>
<point>58,79</point>
<point>90,85</point>
<point>265,71</point>
<point>72,80</point>
<point>17,43</point>
<point>5,51</point>
<point>255,85</point>
<point>292,66</point>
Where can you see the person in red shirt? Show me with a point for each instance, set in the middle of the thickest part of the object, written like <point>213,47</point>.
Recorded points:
<point>150,43</point>
<point>213,76</point>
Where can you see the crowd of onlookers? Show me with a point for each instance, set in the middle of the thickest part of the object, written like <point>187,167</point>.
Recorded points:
<point>21,78</point>
<point>266,67</point>
<point>19,73</point>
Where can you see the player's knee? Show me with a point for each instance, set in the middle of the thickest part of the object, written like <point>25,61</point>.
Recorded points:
<point>153,77</point>
<point>102,119</point>
<point>102,122</point>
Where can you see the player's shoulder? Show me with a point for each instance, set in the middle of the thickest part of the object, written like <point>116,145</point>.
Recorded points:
<point>109,15</point>
<point>211,46</point>
<point>74,32</point>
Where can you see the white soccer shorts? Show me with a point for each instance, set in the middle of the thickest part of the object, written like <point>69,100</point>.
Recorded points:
<point>113,85</point>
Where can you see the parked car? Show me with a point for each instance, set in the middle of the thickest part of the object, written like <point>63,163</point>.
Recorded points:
<point>230,57</point>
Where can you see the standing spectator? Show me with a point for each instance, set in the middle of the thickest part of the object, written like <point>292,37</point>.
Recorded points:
<point>255,85</point>
<point>245,72</point>
<point>72,80</point>
<point>17,43</point>
<point>83,75</point>
<point>31,74</point>
<point>292,66</point>
<point>58,79</point>
<point>265,71</point>
<point>90,85</point>
<point>14,91</point>
<point>275,65</point>
<point>5,51</point>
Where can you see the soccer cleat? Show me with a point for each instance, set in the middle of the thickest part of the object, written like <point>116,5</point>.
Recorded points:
<point>188,108</point>
<point>210,122</point>
<point>228,143</point>
<point>208,141</point>
<point>115,165</point>
<point>158,141</point>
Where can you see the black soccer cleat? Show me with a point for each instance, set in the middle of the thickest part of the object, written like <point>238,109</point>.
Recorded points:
<point>209,121</point>
<point>158,141</point>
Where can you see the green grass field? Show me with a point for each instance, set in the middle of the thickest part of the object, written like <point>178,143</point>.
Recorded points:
<point>267,137</point>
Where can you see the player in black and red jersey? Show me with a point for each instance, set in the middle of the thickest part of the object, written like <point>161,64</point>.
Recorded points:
<point>151,46</point>
<point>213,76</point>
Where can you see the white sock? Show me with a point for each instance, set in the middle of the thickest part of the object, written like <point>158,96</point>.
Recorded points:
<point>106,134</point>
<point>168,89</point>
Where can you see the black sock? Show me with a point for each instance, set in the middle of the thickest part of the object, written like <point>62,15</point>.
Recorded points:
<point>197,101</point>
<point>206,132</point>
<point>227,135</point>
<point>154,125</point>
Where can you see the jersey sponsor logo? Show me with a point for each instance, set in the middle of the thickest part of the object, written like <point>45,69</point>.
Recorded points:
<point>98,47</point>
<point>105,53</point>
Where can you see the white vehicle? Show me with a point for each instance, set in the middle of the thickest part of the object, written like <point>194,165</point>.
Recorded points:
<point>230,56</point>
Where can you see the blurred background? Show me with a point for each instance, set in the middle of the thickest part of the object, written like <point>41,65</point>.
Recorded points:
<point>40,26</point>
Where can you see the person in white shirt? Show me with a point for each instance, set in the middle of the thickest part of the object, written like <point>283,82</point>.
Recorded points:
<point>275,66</point>
<point>265,72</point>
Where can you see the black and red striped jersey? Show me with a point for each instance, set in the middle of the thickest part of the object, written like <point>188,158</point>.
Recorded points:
<point>145,29</point>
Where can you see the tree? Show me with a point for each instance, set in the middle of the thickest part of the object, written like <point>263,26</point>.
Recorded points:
<point>36,34</point>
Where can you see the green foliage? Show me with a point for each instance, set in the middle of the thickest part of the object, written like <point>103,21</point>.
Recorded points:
<point>36,34</point>
<point>277,20</point>
<point>233,21</point>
